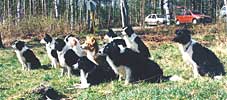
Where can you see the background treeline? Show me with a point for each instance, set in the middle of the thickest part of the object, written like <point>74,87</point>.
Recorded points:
<point>63,16</point>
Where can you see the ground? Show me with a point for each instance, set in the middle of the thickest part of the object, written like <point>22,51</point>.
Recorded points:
<point>18,84</point>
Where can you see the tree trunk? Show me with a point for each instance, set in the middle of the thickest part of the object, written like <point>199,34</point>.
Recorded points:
<point>9,8</point>
<point>44,8</point>
<point>18,10</point>
<point>142,2</point>
<point>4,11</point>
<point>56,8</point>
<point>30,8</point>
<point>124,13</point>
<point>109,15</point>
<point>71,15</point>
<point>155,6</point>
<point>1,44</point>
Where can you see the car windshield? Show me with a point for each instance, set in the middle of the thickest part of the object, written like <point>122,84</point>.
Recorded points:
<point>196,12</point>
<point>161,16</point>
<point>224,8</point>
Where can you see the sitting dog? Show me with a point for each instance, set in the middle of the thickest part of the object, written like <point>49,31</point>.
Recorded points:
<point>92,74</point>
<point>26,56</point>
<point>110,36</point>
<point>52,53</point>
<point>67,57</point>
<point>74,43</point>
<point>137,67</point>
<point>91,48</point>
<point>203,61</point>
<point>134,42</point>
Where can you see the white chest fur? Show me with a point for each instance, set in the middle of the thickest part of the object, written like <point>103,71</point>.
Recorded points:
<point>187,52</point>
<point>61,56</point>
<point>130,42</point>
<point>20,56</point>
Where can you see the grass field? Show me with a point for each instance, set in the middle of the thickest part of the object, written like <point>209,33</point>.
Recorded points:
<point>18,84</point>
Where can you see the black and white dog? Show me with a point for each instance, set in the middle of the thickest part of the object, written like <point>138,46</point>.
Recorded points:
<point>110,36</point>
<point>26,56</point>
<point>74,43</point>
<point>203,61</point>
<point>134,42</point>
<point>92,74</point>
<point>137,67</point>
<point>51,52</point>
<point>67,57</point>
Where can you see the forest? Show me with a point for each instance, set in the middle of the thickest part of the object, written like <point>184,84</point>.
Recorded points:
<point>107,12</point>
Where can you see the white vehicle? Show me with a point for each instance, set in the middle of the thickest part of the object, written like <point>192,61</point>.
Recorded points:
<point>155,19</point>
<point>223,12</point>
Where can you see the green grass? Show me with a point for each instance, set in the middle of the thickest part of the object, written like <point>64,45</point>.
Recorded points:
<point>17,84</point>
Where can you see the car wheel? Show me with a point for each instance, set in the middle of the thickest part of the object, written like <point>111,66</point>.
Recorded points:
<point>177,22</point>
<point>158,23</point>
<point>194,21</point>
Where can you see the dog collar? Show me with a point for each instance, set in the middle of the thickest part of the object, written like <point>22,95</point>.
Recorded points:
<point>188,46</point>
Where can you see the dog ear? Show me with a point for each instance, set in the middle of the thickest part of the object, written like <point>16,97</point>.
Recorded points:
<point>74,42</point>
<point>93,40</point>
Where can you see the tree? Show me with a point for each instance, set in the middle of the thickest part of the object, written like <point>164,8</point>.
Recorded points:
<point>124,13</point>
<point>1,44</point>
<point>142,4</point>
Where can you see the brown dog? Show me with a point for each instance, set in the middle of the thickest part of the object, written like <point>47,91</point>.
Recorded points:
<point>91,48</point>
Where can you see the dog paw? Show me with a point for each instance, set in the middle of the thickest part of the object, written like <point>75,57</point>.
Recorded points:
<point>126,83</point>
<point>81,86</point>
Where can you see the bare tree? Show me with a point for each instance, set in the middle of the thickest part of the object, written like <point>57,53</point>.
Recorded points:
<point>18,10</point>
<point>56,8</point>
<point>142,4</point>
<point>124,13</point>
<point>1,44</point>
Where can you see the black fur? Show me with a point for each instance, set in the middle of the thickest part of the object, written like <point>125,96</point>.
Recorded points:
<point>182,36</point>
<point>144,51</point>
<point>20,45</point>
<point>59,44</point>
<point>96,74</point>
<point>48,38</point>
<point>54,54</point>
<point>69,55</point>
<point>119,42</point>
<point>141,67</point>
<point>67,37</point>
<point>31,60</point>
<point>129,31</point>
<point>207,61</point>
<point>111,33</point>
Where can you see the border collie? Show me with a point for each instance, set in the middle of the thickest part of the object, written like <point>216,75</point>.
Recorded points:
<point>203,61</point>
<point>110,36</point>
<point>74,43</point>
<point>134,42</point>
<point>136,66</point>
<point>92,74</point>
<point>52,53</point>
<point>26,56</point>
<point>91,48</point>
<point>67,57</point>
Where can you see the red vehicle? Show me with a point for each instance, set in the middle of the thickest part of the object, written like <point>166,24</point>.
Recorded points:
<point>188,16</point>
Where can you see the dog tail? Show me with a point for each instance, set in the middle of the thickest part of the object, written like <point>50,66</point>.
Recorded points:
<point>172,78</point>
